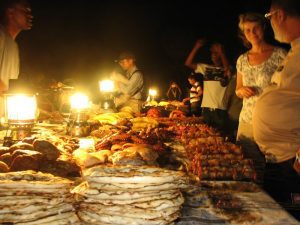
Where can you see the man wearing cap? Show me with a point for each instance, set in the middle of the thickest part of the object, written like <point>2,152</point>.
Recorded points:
<point>131,87</point>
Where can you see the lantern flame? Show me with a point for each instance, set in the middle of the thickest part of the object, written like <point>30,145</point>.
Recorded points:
<point>152,92</point>
<point>106,86</point>
<point>79,101</point>
<point>21,107</point>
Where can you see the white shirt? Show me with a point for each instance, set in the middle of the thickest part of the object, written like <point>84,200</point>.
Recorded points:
<point>9,58</point>
<point>9,62</point>
<point>258,77</point>
<point>213,92</point>
<point>276,117</point>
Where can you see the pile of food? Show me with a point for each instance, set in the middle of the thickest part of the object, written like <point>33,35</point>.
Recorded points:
<point>211,157</point>
<point>111,118</point>
<point>38,155</point>
<point>35,198</point>
<point>130,195</point>
<point>133,172</point>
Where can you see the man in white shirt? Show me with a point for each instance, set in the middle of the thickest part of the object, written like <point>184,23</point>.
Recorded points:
<point>214,110</point>
<point>15,16</point>
<point>276,117</point>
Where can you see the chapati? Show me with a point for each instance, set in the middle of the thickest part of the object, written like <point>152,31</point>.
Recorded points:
<point>121,220</point>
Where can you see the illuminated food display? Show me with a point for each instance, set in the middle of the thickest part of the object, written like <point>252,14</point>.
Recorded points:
<point>129,169</point>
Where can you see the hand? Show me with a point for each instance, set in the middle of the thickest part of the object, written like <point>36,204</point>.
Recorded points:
<point>29,18</point>
<point>113,75</point>
<point>118,78</point>
<point>185,100</point>
<point>200,42</point>
<point>227,73</point>
<point>246,92</point>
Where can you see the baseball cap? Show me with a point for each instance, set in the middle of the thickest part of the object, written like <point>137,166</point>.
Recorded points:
<point>125,55</point>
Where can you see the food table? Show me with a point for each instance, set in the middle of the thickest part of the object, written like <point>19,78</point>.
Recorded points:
<point>230,202</point>
<point>222,195</point>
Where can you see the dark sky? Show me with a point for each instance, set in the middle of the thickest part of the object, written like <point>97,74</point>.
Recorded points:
<point>80,38</point>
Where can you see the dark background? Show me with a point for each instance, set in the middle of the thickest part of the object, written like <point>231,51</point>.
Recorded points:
<point>80,39</point>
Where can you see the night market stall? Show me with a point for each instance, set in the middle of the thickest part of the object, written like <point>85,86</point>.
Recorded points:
<point>123,168</point>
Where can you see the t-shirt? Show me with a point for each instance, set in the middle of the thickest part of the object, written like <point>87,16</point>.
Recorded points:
<point>258,77</point>
<point>276,117</point>
<point>213,91</point>
<point>9,62</point>
<point>9,57</point>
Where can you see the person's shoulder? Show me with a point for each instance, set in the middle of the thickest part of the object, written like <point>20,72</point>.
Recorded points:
<point>203,64</point>
<point>280,50</point>
<point>137,71</point>
<point>243,56</point>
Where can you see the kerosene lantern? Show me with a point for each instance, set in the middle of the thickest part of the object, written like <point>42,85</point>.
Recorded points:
<point>20,115</point>
<point>78,125</point>
<point>152,94</point>
<point>107,89</point>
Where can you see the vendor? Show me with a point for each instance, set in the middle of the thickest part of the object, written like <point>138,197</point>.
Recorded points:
<point>174,92</point>
<point>131,85</point>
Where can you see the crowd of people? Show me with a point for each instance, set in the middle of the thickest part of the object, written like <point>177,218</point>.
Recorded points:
<point>256,101</point>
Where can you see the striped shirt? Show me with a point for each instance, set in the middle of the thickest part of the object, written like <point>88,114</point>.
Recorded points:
<point>195,89</point>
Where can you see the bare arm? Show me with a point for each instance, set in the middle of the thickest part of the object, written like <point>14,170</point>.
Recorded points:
<point>225,63</point>
<point>180,91</point>
<point>243,91</point>
<point>239,81</point>
<point>189,61</point>
<point>200,92</point>
<point>168,92</point>
<point>2,86</point>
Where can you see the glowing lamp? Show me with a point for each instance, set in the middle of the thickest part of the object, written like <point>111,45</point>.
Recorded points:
<point>107,89</point>
<point>152,92</point>
<point>20,114</point>
<point>20,109</point>
<point>79,101</point>
<point>107,86</point>
<point>77,124</point>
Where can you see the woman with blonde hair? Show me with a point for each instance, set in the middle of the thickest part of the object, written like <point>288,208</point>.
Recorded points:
<point>255,68</point>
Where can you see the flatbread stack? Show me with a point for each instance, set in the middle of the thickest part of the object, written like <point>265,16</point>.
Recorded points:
<point>123,195</point>
<point>35,198</point>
